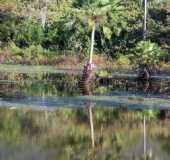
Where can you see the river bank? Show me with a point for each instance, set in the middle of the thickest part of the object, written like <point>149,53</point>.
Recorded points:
<point>70,60</point>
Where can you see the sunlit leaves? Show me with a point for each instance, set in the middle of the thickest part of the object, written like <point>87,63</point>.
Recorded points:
<point>107,32</point>
<point>69,24</point>
<point>147,52</point>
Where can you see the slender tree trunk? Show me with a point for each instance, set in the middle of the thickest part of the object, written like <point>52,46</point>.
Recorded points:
<point>92,45</point>
<point>44,15</point>
<point>91,126</point>
<point>145,19</point>
<point>145,71</point>
<point>87,71</point>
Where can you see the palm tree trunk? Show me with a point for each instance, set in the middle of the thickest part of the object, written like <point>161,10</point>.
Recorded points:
<point>92,45</point>
<point>44,15</point>
<point>145,19</point>
<point>87,71</point>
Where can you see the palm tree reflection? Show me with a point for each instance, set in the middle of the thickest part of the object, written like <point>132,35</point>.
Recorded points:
<point>86,91</point>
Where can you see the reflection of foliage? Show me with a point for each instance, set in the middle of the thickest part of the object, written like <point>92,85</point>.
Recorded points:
<point>149,114</point>
<point>67,130</point>
<point>9,131</point>
<point>164,139</point>
<point>36,84</point>
<point>106,116</point>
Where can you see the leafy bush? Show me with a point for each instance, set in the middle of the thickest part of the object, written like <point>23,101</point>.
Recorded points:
<point>102,73</point>
<point>32,54</point>
<point>123,60</point>
<point>68,33</point>
<point>16,51</point>
<point>146,53</point>
<point>31,51</point>
<point>8,25</point>
<point>29,33</point>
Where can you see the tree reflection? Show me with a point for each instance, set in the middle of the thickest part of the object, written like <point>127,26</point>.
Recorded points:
<point>118,133</point>
<point>86,91</point>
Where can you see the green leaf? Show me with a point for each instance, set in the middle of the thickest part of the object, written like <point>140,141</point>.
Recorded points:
<point>107,32</point>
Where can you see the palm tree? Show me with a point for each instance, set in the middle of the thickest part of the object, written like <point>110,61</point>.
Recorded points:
<point>97,13</point>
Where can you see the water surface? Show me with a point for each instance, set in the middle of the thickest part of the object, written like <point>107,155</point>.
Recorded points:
<point>44,115</point>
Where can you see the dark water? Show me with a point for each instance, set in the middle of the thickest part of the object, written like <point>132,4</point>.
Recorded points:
<point>44,116</point>
<point>58,90</point>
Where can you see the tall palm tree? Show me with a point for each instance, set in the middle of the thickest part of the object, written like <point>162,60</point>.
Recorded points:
<point>96,13</point>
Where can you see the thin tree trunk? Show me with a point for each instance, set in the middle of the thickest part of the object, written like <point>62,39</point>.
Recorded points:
<point>44,15</point>
<point>92,45</point>
<point>145,19</point>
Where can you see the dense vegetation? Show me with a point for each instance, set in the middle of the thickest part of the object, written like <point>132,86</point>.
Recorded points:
<point>38,31</point>
<point>65,134</point>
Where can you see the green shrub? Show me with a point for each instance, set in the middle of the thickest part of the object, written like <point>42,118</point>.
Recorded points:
<point>33,53</point>
<point>102,73</point>
<point>29,33</point>
<point>146,53</point>
<point>16,51</point>
<point>123,60</point>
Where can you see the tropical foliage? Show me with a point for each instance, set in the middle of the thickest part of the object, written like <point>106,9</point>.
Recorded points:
<point>147,52</point>
<point>68,25</point>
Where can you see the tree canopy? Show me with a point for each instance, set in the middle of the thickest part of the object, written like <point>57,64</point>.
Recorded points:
<point>68,25</point>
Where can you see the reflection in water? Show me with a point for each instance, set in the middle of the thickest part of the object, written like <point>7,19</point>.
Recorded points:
<point>105,132</point>
<point>84,86</point>
<point>63,134</point>
<point>91,125</point>
<point>144,136</point>
<point>152,87</point>
<point>66,85</point>
<point>57,90</point>
<point>145,86</point>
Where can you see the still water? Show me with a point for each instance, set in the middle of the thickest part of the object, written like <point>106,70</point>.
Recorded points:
<point>45,116</point>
